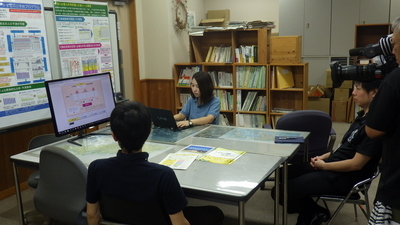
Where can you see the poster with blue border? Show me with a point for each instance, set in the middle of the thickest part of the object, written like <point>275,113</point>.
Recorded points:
<point>24,62</point>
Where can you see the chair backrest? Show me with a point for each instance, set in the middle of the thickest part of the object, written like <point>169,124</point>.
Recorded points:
<point>62,190</point>
<point>318,123</point>
<point>363,186</point>
<point>44,139</point>
<point>129,212</point>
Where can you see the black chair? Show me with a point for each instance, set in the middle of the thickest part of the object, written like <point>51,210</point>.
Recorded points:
<point>353,197</point>
<point>116,211</point>
<point>322,137</point>
<point>61,194</point>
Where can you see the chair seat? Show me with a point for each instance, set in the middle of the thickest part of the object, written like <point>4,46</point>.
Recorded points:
<point>354,197</point>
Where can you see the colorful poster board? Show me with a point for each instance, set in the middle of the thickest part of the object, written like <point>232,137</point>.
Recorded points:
<point>24,62</point>
<point>84,38</point>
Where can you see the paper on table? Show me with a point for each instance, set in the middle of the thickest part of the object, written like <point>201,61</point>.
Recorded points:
<point>199,150</point>
<point>178,161</point>
<point>222,156</point>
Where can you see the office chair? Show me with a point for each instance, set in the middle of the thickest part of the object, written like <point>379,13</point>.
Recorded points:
<point>62,189</point>
<point>353,197</point>
<point>116,211</point>
<point>36,142</point>
<point>322,137</point>
<point>33,179</point>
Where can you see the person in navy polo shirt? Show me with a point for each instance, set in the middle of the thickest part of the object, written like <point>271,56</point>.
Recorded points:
<point>129,176</point>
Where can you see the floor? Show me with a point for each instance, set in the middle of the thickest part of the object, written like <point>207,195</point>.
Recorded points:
<point>259,209</point>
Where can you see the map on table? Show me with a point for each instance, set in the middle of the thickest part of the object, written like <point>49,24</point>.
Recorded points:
<point>245,134</point>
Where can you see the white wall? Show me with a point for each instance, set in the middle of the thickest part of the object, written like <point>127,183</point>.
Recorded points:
<point>161,46</point>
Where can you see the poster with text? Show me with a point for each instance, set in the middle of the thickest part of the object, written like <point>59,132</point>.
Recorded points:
<point>24,62</point>
<point>84,38</point>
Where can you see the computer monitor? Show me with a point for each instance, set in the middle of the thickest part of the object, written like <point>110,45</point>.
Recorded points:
<point>77,103</point>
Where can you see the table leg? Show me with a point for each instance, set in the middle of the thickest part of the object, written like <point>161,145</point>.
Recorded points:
<point>284,181</point>
<point>276,203</point>
<point>241,213</point>
<point>18,195</point>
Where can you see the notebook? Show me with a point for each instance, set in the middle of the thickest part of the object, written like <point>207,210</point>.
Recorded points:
<point>163,118</point>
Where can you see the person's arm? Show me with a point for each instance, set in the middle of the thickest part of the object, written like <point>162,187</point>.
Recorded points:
<point>354,164</point>
<point>179,116</point>
<point>178,219</point>
<point>93,213</point>
<point>321,157</point>
<point>372,133</point>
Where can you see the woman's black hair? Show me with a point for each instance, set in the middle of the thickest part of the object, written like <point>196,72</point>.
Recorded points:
<point>206,86</point>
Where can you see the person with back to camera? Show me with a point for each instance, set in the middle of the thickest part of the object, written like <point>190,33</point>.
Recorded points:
<point>335,173</point>
<point>129,176</point>
<point>384,121</point>
<point>202,107</point>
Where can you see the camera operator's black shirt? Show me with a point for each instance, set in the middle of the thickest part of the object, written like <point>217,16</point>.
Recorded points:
<point>384,116</point>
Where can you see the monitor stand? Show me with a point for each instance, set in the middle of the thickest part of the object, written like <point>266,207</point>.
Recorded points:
<point>82,135</point>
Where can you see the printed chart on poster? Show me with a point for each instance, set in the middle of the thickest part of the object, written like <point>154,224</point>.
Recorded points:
<point>84,38</point>
<point>24,62</point>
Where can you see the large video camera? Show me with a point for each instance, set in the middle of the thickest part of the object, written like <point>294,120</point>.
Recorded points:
<point>369,72</point>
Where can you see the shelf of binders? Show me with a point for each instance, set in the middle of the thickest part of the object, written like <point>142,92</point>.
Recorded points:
<point>288,88</point>
<point>251,101</point>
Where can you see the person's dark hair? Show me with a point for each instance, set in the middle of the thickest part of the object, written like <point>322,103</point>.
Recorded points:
<point>206,86</point>
<point>370,86</point>
<point>131,124</point>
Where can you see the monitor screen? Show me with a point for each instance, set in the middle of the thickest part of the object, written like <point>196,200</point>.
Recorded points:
<point>78,103</point>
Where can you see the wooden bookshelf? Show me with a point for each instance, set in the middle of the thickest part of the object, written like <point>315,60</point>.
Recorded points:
<point>288,98</point>
<point>200,47</point>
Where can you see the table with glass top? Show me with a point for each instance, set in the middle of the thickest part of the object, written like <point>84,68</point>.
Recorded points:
<point>254,140</point>
<point>234,183</point>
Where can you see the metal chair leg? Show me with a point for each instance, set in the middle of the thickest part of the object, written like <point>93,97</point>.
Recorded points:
<point>355,212</point>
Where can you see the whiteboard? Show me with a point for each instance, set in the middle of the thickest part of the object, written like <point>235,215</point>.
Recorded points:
<point>55,66</point>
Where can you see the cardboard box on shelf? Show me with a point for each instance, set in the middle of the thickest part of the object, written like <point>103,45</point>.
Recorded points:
<point>339,111</point>
<point>322,104</point>
<point>216,18</point>
<point>315,91</point>
<point>327,92</point>
<point>347,84</point>
<point>341,94</point>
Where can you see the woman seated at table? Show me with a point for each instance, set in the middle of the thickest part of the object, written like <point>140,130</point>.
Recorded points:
<point>202,107</point>
<point>335,173</point>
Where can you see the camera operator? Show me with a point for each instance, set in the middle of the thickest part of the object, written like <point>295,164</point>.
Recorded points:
<point>383,120</point>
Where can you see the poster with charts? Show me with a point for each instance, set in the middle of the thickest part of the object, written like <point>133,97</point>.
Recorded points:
<point>84,38</point>
<point>24,62</point>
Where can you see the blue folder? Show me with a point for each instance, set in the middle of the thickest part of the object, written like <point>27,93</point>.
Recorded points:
<point>287,139</point>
